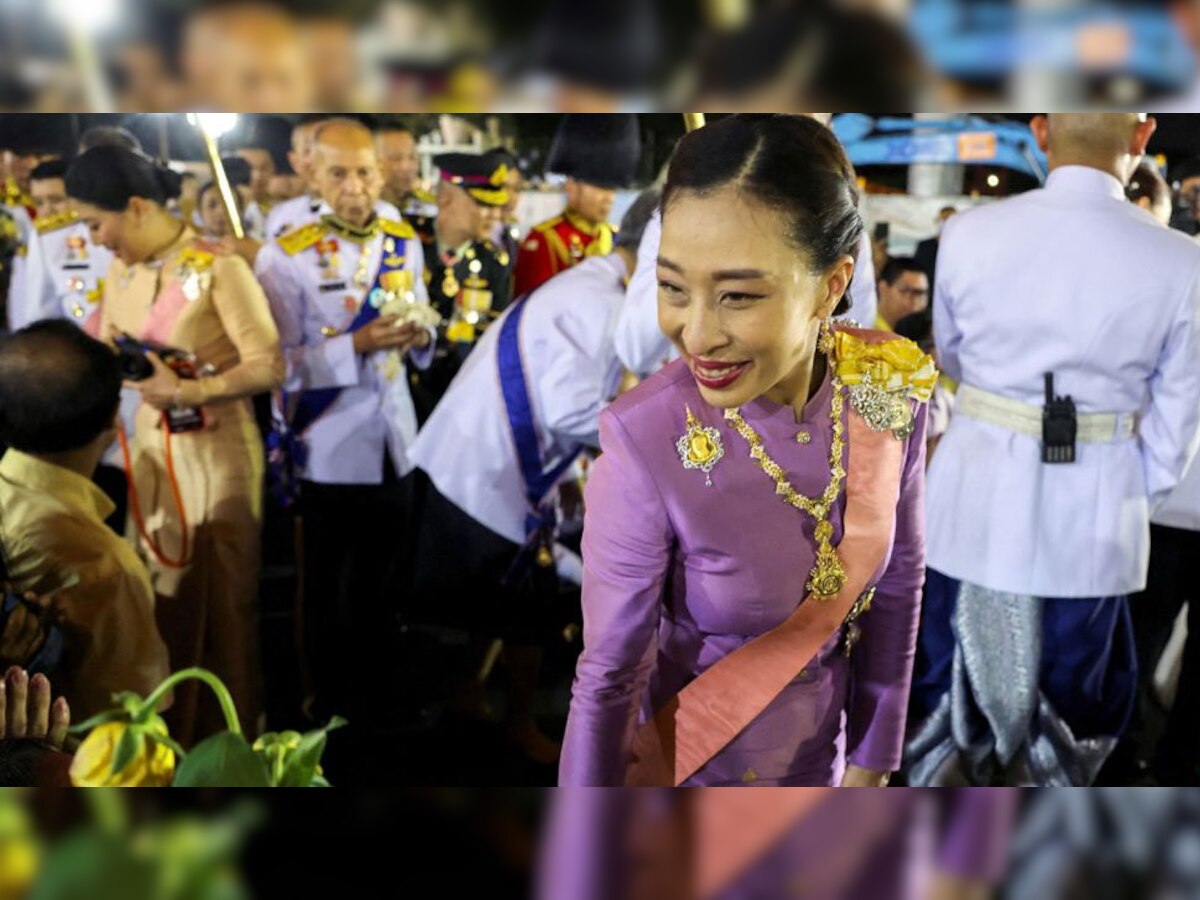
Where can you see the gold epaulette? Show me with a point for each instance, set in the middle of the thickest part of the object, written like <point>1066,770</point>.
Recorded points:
<point>46,224</point>
<point>397,229</point>
<point>301,238</point>
<point>549,224</point>
<point>424,196</point>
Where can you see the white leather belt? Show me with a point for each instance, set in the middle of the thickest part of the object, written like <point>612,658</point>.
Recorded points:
<point>1024,418</point>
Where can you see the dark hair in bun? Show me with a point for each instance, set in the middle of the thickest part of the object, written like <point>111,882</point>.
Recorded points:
<point>791,163</point>
<point>109,176</point>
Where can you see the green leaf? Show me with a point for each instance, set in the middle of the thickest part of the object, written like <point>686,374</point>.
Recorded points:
<point>129,745</point>
<point>301,766</point>
<point>223,760</point>
<point>90,864</point>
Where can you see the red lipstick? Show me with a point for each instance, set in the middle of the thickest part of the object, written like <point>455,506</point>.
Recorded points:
<point>715,374</point>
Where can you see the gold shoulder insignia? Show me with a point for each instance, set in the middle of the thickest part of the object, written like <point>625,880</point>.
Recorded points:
<point>399,229</point>
<point>549,224</point>
<point>301,238</point>
<point>46,224</point>
<point>424,196</point>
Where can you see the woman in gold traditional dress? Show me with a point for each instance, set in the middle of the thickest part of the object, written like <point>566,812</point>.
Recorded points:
<point>196,456</point>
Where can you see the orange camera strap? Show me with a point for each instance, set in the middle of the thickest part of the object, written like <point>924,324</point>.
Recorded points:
<point>135,507</point>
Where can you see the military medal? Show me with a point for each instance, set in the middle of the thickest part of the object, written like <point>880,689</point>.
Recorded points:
<point>360,274</point>
<point>881,409</point>
<point>327,253</point>
<point>351,303</point>
<point>450,284</point>
<point>700,447</point>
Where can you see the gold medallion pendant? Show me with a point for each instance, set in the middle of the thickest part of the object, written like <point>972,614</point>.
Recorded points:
<point>700,447</point>
<point>828,575</point>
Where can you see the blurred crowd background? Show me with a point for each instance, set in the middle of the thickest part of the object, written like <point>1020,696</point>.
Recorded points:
<point>526,55</point>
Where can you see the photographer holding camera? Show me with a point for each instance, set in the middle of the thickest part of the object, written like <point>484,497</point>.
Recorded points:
<point>59,391</point>
<point>201,322</point>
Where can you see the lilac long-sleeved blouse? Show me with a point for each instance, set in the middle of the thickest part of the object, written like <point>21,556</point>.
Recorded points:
<point>677,574</point>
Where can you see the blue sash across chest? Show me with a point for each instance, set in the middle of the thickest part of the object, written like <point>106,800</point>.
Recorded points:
<point>540,517</point>
<point>285,443</point>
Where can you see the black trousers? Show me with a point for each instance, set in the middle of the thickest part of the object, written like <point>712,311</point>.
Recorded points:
<point>356,547</point>
<point>461,577</point>
<point>1171,583</point>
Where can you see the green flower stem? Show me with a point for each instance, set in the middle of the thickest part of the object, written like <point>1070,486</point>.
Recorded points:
<point>218,688</point>
<point>277,765</point>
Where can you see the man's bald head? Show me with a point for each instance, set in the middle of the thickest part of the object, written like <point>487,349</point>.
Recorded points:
<point>1111,142</point>
<point>346,169</point>
<point>342,134</point>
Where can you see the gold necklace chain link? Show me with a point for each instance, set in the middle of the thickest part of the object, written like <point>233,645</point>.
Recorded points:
<point>828,575</point>
<point>817,507</point>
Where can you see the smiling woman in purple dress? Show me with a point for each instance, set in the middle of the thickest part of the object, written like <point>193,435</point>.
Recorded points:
<point>754,547</point>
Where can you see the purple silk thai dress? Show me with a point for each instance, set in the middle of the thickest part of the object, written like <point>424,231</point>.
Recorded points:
<point>677,574</point>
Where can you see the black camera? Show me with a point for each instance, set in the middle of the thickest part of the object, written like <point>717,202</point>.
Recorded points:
<point>135,366</point>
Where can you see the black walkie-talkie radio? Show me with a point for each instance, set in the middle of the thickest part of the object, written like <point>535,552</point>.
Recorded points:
<point>1059,426</point>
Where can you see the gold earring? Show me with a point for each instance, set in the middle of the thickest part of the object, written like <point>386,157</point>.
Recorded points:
<point>825,342</point>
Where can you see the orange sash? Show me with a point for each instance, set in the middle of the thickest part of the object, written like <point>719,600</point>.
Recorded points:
<point>699,721</point>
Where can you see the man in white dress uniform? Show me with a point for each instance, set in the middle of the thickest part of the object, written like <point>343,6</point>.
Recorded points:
<point>525,404</point>
<point>346,291</point>
<point>1071,319</point>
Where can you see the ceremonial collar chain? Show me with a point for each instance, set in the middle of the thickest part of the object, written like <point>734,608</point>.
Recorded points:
<point>359,235</point>
<point>828,575</point>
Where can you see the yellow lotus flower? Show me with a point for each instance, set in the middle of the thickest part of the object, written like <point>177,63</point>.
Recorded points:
<point>894,365</point>
<point>152,766</point>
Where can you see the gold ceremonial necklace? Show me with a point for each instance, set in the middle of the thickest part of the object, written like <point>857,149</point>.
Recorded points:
<point>828,575</point>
